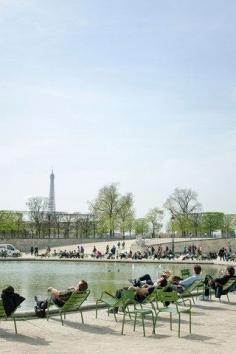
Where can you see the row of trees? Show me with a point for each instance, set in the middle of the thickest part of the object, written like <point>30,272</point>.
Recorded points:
<point>113,212</point>
<point>187,217</point>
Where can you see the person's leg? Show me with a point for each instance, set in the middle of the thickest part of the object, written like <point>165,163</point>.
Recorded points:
<point>147,278</point>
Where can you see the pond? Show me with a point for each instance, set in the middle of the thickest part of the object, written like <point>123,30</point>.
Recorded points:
<point>33,278</point>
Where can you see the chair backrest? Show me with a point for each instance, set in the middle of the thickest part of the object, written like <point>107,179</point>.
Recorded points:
<point>127,295</point>
<point>2,310</point>
<point>108,298</point>
<point>196,284</point>
<point>229,284</point>
<point>76,300</point>
<point>185,273</point>
<point>151,297</point>
<point>164,296</point>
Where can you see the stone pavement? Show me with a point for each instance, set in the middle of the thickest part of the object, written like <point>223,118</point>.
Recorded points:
<point>213,331</point>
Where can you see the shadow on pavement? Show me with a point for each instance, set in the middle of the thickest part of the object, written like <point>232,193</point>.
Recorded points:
<point>21,338</point>
<point>86,327</point>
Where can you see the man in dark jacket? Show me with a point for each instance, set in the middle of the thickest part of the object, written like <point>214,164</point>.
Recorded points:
<point>218,283</point>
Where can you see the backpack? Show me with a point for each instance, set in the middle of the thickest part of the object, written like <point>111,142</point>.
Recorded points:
<point>41,313</point>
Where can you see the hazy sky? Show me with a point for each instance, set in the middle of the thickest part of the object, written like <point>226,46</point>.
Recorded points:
<point>142,93</point>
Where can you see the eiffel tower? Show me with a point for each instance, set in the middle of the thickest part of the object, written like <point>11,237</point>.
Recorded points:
<point>51,200</point>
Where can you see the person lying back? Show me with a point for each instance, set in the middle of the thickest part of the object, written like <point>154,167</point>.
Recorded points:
<point>60,297</point>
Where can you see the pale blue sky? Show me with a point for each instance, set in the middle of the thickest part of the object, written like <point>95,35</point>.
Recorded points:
<point>137,92</point>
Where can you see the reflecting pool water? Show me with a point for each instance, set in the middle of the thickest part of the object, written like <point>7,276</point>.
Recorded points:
<point>33,278</point>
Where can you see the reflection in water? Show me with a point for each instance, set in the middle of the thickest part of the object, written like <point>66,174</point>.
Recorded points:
<point>33,278</point>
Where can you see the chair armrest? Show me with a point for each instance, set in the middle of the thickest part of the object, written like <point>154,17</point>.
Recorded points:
<point>185,302</point>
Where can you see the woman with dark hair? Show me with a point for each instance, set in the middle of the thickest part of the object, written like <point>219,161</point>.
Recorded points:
<point>217,283</point>
<point>10,300</point>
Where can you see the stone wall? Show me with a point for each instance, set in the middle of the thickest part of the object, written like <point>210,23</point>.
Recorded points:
<point>24,244</point>
<point>209,245</point>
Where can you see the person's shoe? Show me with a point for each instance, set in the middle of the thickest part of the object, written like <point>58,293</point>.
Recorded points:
<point>204,298</point>
<point>135,282</point>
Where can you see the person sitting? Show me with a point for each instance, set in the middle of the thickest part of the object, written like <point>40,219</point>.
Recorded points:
<point>147,280</point>
<point>58,297</point>
<point>179,285</point>
<point>217,284</point>
<point>10,300</point>
<point>144,286</point>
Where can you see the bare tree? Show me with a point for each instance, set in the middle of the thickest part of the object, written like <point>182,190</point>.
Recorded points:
<point>181,204</point>
<point>37,211</point>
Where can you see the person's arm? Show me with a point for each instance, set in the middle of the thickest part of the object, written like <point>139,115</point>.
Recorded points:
<point>187,281</point>
<point>221,281</point>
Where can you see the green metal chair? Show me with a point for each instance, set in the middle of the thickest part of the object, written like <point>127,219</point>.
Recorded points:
<point>128,299</point>
<point>185,273</point>
<point>177,306</point>
<point>111,302</point>
<point>72,304</point>
<point>192,290</point>
<point>227,287</point>
<point>5,317</point>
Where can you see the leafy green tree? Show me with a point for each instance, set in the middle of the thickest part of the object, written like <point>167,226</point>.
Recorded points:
<point>11,222</point>
<point>212,221</point>
<point>229,225</point>
<point>130,222</point>
<point>125,212</point>
<point>154,217</point>
<point>196,222</point>
<point>106,207</point>
<point>141,226</point>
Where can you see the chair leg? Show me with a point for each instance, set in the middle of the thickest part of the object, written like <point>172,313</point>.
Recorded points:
<point>154,309</point>
<point>61,319</point>
<point>128,312</point>
<point>192,298</point>
<point>170,321</point>
<point>135,318</point>
<point>82,318</point>
<point>153,324</point>
<point>190,323</point>
<point>123,323</point>
<point>228,297</point>
<point>143,325</point>
<point>15,325</point>
<point>179,327</point>
<point>96,309</point>
<point>47,313</point>
<point>155,321</point>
